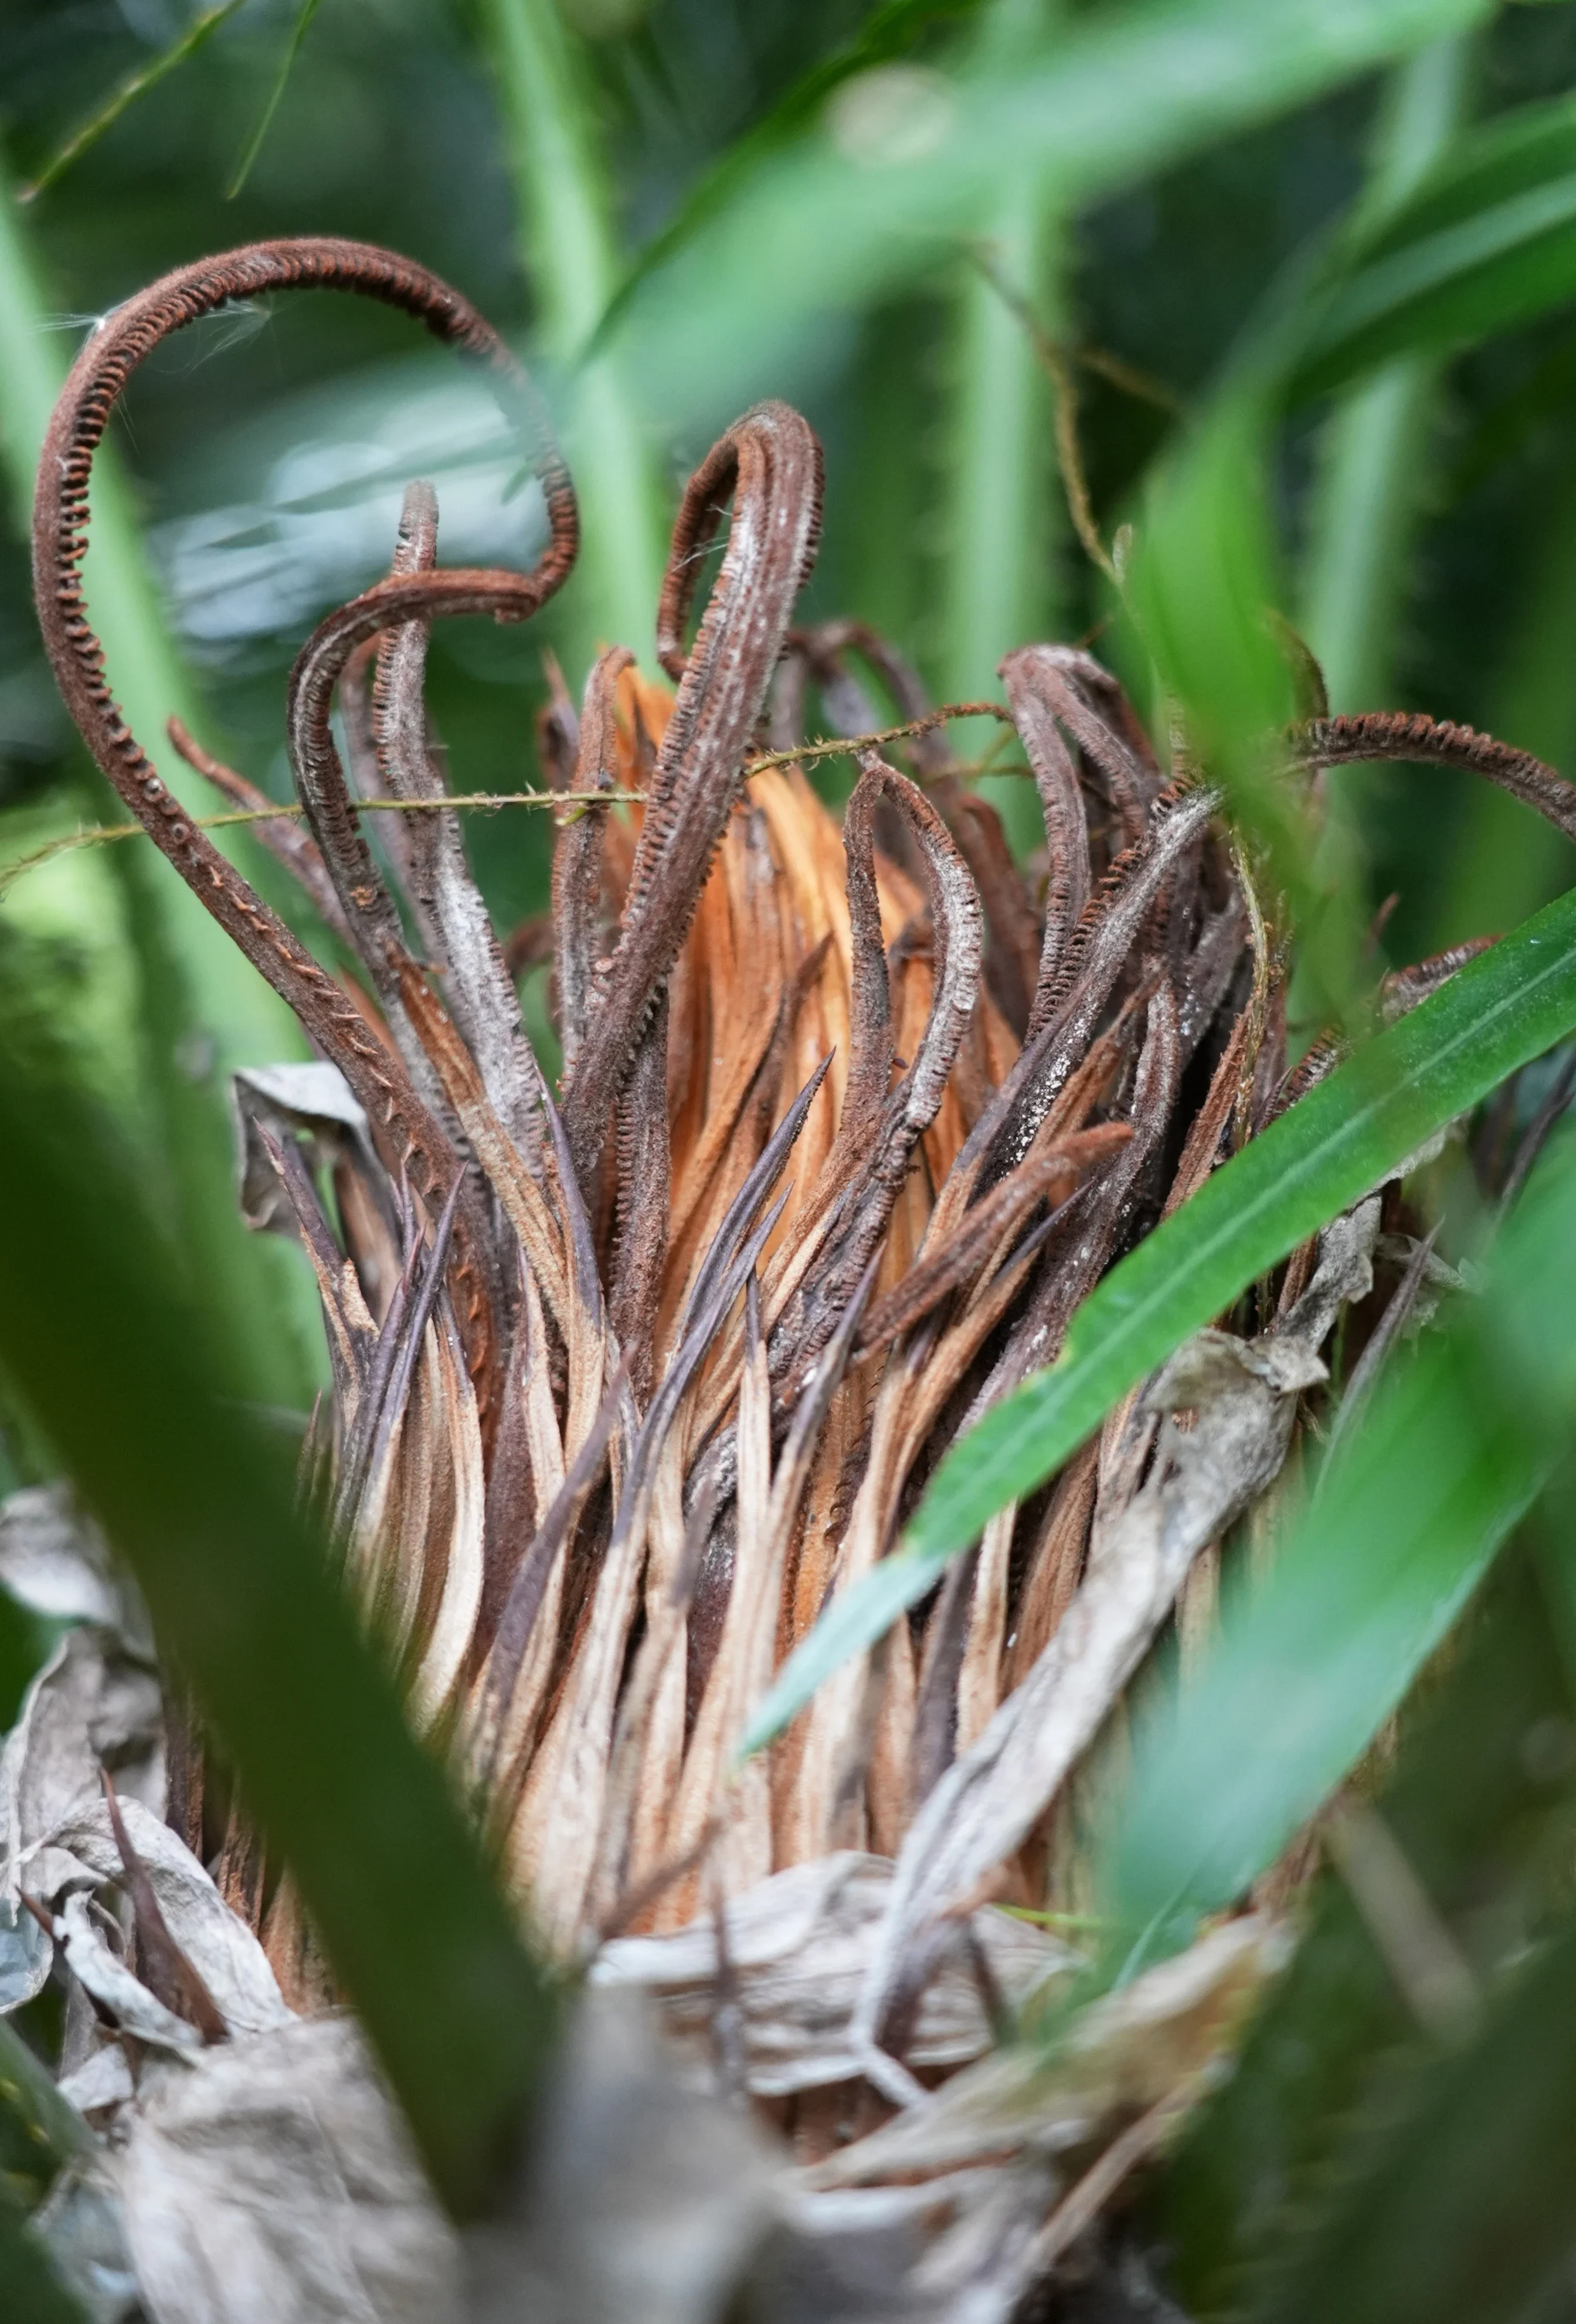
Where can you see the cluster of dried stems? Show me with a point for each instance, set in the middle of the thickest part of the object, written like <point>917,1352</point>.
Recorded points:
<point>631,1379</point>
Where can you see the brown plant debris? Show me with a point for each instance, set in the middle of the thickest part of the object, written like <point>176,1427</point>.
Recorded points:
<point>632,1377</point>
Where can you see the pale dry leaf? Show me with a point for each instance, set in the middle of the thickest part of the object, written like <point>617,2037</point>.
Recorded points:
<point>1242,1400</point>
<point>92,1706</point>
<point>54,1561</point>
<point>797,1945</point>
<point>101,1972</point>
<point>272,2182</point>
<point>217,1943</point>
<point>102,2081</point>
<point>1120,2056</point>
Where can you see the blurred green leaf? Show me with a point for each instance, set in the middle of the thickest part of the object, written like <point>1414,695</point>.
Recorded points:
<point>892,28</point>
<point>139,1398</point>
<point>26,1639</point>
<point>287,65</point>
<point>1500,867</point>
<point>1459,2212</point>
<point>1479,1802</point>
<point>907,159</point>
<point>1306,1667</point>
<point>127,93</point>
<point>563,190</point>
<point>1202,591</point>
<point>34,2294</point>
<point>1376,446</point>
<point>1495,1014</point>
<point>40,2130</point>
<point>1487,240</point>
<point>997,524</point>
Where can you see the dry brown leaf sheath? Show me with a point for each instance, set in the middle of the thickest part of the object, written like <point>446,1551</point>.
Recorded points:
<point>629,1379</point>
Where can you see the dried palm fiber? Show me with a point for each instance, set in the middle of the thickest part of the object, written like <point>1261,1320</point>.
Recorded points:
<point>631,1377</point>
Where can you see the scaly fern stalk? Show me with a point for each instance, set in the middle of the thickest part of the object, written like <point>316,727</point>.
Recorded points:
<point>209,1007</point>
<point>570,258</point>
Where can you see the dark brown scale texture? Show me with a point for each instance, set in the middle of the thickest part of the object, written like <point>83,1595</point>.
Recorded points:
<point>771,463</point>
<point>1401,734</point>
<point>412,1141</point>
<point>642,1200</point>
<point>284,838</point>
<point>1034,711</point>
<point>578,856</point>
<point>662,1477</point>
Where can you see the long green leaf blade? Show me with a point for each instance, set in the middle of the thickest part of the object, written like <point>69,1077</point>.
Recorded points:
<point>195,992</point>
<point>1365,507</point>
<point>34,2294</point>
<point>1307,1667</point>
<point>890,30</point>
<point>126,94</point>
<point>1460,2211</point>
<point>1504,1008</point>
<point>909,160</point>
<point>564,191</point>
<point>1487,240</point>
<point>276,98</point>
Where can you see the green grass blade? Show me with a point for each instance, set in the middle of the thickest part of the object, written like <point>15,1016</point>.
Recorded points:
<point>998,575</point>
<point>1307,1667</point>
<point>34,2294</point>
<point>287,66</point>
<point>126,94</point>
<point>1459,2212</point>
<point>40,2130</point>
<point>1504,1008</point>
<point>907,161</point>
<point>890,30</point>
<point>999,528</point>
<point>1202,583</point>
<point>246,1021</point>
<point>1498,869</point>
<point>138,1397</point>
<point>1483,1823</point>
<point>1376,444</point>
<point>1487,240</point>
<point>564,193</point>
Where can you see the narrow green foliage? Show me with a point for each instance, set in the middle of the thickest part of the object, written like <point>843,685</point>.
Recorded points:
<point>997,577</point>
<point>1307,1665</point>
<point>1377,443</point>
<point>126,94</point>
<point>1500,867</point>
<point>1497,1014</point>
<point>893,30</point>
<point>907,159</point>
<point>139,1399</point>
<point>40,2130</point>
<point>265,122</point>
<point>566,205</point>
<point>1460,2213</point>
<point>1487,240</point>
<point>34,2294</point>
<point>25,1640</point>
<point>1481,1805</point>
<point>207,1010</point>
